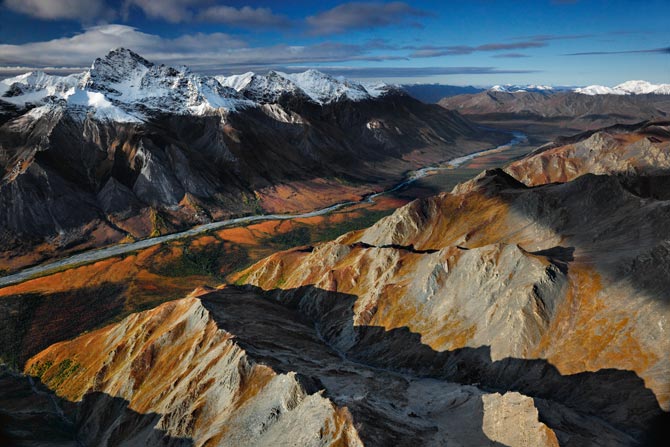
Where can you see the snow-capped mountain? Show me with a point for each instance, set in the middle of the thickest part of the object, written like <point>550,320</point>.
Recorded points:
<point>514,88</point>
<point>198,148</point>
<point>626,88</point>
<point>127,79</point>
<point>33,87</point>
<point>315,85</point>
<point>123,86</point>
<point>322,88</point>
<point>236,82</point>
<point>271,88</point>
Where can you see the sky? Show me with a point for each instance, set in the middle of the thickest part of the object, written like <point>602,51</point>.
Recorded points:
<point>466,42</point>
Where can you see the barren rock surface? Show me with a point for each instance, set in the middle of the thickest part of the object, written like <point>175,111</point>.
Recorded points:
<point>501,412</point>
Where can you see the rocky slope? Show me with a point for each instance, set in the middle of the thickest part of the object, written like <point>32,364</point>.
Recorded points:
<point>638,150</point>
<point>130,148</point>
<point>171,376</point>
<point>556,291</point>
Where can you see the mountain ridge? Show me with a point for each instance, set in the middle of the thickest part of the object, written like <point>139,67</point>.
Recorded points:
<point>138,86</point>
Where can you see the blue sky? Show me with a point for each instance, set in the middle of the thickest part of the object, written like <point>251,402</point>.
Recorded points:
<point>478,42</point>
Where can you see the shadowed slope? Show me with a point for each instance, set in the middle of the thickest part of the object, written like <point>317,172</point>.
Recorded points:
<point>31,415</point>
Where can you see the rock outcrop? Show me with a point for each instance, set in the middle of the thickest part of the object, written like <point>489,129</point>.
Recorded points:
<point>515,410</point>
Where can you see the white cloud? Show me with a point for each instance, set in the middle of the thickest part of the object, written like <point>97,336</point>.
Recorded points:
<point>96,41</point>
<point>81,10</point>
<point>176,11</point>
<point>203,52</point>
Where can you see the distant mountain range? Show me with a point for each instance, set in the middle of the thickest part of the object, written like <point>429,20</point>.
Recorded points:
<point>430,93</point>
<point>578,108</point>
<point>626,88</point>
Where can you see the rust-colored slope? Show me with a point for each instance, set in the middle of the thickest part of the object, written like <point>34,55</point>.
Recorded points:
<point>173,361</point>
<point>39,312</point>
<point>645,151</point>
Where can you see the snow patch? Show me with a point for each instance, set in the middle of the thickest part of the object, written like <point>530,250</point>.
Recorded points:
<point>102,107</point>
<point>323,88</point>
<point>236,82</point>
<point>513,88</point>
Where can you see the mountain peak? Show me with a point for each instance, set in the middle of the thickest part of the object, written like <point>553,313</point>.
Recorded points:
<point>323,88</point>
<point>515,88</point>
<point>122,54</point>
<point>119,66</point>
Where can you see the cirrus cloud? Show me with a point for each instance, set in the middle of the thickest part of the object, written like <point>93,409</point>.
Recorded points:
<point>457,50</point>
<point>176,11</point>
<point>665,50</point>
<point>170,10</point>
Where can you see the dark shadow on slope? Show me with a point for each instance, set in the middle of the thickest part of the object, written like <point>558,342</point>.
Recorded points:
<point>410,248</point>
<point>616,397</point>
<point>284,339</point>
<point>33,321</point>
<point>33,415</point>
<point>655,187</point>
<point>659,434</point>
<point>616,223</point>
